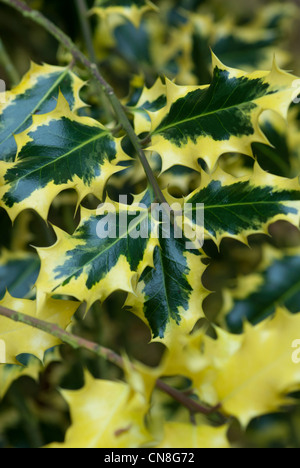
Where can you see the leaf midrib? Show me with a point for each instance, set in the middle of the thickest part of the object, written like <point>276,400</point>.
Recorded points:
<point>65,155</point>
<point>206,114</point>
<point>171,313</point>
<point>118,239</point>
<point>262,202</point>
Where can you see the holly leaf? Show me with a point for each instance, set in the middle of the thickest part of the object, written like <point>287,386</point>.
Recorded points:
<point>238,207</point>
<point>182,356</point>
<point>90,267</point>
<point>59,151</point>
<point>257,372</point>
<point>10,373</point>
<point>18,273</point>
<point>101,256</point>
<point>205,122</point>
<point>105,414</point>
<point>36,94</point>
<point>274,283</point>
<point>170,293</point>
<point>19,338</point>
<point>282,158</point>
<point>133,10</point>
<point>182,435</point>
<point>151,100</point>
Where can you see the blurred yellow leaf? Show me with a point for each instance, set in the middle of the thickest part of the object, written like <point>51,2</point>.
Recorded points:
<point>257,372</point>
<point>20,338</point>
<point>105,414</point>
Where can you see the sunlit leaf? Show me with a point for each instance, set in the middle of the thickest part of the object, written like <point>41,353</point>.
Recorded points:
<point>36,94</point>
<point>105,414</point>
<point>59,151</point>
<point>257,373</point>
<point>205,122</point>
<point>237,207</point>
<point>20,338</point>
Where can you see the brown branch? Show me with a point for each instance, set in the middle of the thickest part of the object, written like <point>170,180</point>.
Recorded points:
<point>77,342</point>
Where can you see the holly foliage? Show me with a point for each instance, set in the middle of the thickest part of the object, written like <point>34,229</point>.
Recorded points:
<point>143,337</point>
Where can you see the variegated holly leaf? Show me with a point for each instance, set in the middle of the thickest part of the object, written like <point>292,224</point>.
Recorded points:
<point>170,293</point>
<point>274,283</point>
<point>283,157</point>
<point>19,338</point>
<point>205,122</point>
<point>59,151</point>
<point>151,100</point>
<point>18,273</point>
<point>90,267</point>
<point>133,10</point>
<point>105,414</point>
<point>237,207</point>
<point>253,373</point>
<point>103,255</point>
<point>36,94</point>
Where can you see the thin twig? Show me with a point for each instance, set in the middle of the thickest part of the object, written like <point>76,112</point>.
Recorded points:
<point>181,397</point>
<point>40,19</point>
<point>86,29</point>
<point>8,65</point>
<point>74,341</point>
<point>77,342</point>
<point>88,39</point>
